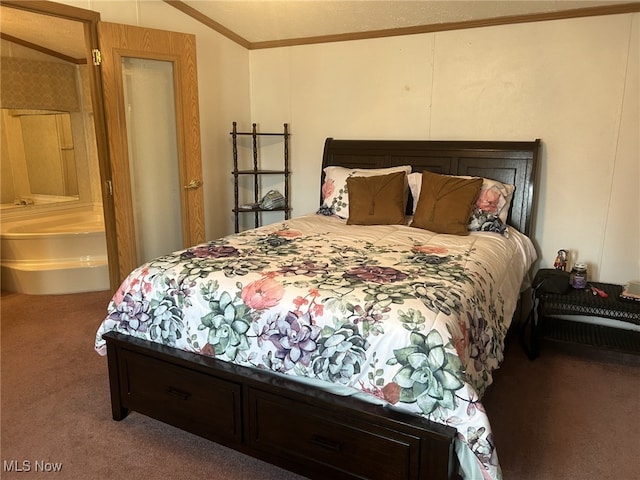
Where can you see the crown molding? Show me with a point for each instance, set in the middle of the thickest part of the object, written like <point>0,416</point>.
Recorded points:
<point>414,30</point>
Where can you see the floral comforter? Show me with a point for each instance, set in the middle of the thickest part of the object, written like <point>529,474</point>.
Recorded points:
<point>413,318</point>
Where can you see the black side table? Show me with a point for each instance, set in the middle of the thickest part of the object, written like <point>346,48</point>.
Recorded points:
<point>584,302</point>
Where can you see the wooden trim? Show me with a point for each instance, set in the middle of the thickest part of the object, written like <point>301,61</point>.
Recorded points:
<point>41,49</point>
<point>442,27</point>
<point>118,159</point>
<point>102,144</point>
<point>414,30</point>
<point>202,18</point>
<point>55,9</point>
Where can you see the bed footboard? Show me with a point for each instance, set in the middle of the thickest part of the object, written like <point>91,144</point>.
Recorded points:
<point>280,421</point>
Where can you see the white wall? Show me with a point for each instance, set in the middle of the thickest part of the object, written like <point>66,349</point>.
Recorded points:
<point>571,83</point>
<point>223,82</point>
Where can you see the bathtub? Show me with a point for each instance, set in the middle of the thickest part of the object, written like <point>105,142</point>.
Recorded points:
<point>54,254</point>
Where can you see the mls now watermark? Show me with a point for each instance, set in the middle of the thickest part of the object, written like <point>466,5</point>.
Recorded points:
<point>30,466</point>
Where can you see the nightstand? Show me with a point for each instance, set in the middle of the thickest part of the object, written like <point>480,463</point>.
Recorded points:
<point>583,302</point>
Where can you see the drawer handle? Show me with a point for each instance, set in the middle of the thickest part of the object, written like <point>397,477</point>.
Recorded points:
<point>177,393</point>
<point>326,443</point>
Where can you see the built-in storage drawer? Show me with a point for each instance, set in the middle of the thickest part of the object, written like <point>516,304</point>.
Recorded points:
<point>330,443</point>
<point>199,403</point>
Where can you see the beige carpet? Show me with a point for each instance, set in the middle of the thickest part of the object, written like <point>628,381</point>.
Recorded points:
<point>560,417</point>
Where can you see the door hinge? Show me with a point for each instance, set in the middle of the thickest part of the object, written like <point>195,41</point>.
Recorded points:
<point>110,188</point>
<point>97,57</point>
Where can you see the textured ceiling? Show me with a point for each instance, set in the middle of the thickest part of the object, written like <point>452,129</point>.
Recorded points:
<point>269,20</point>
<point>275,20</point>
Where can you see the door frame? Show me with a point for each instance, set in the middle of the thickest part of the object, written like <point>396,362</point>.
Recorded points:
<point>90,20</point>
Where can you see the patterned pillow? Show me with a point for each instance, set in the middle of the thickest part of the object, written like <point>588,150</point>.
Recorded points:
<point>335,196</point>
<point>495,198</point>
<point>486,222</point>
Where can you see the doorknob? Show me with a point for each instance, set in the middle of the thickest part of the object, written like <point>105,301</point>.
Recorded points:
<point>193,184</point>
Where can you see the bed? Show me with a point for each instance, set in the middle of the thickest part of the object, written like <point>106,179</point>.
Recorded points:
<point>341,344</point>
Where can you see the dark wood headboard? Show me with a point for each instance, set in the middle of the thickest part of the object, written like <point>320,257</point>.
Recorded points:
<point>514,163</point>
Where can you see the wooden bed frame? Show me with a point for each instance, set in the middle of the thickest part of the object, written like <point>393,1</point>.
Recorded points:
<point>290,424</point>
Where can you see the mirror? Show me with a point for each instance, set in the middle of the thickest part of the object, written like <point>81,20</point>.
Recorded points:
<point>40,156</point>
<point>48,154</point>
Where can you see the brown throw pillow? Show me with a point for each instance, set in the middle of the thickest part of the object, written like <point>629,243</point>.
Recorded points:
<point>445,203</point>
<point>377,200</point>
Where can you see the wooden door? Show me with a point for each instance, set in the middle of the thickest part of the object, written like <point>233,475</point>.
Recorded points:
<point>120,44</point>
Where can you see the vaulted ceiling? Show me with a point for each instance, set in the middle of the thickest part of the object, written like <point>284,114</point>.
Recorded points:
<point>268,23</point>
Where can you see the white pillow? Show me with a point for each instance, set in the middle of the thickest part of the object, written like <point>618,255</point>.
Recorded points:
<point>334,189</point>
<point>494,197</point>
<point>415,185</point>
